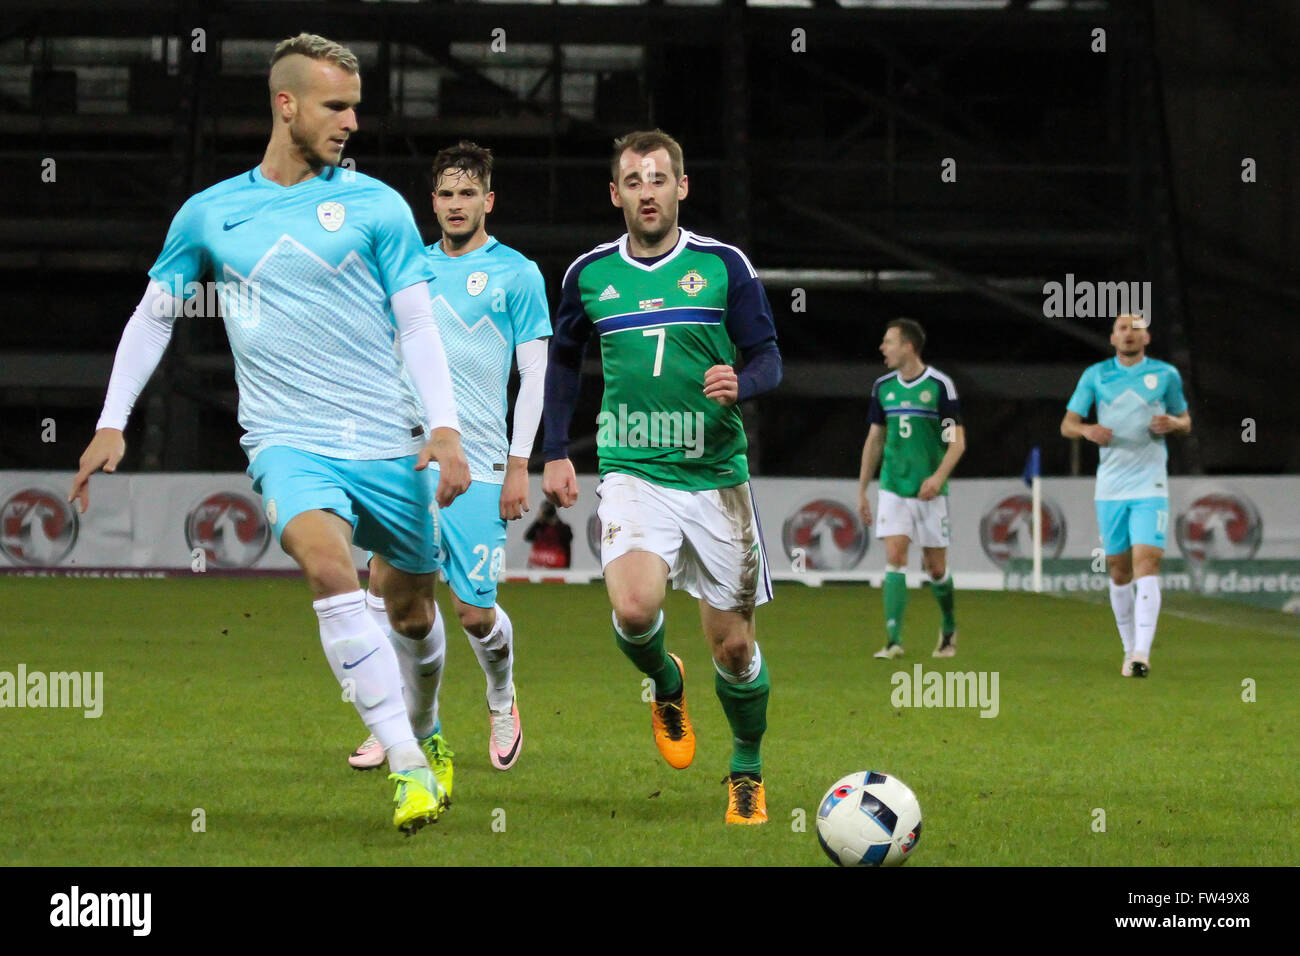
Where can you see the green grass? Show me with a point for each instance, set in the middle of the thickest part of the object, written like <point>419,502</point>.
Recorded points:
<point>217,697</point>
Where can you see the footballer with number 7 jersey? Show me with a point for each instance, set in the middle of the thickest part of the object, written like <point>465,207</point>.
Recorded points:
<point>330,272</point>
<point>672,310</point>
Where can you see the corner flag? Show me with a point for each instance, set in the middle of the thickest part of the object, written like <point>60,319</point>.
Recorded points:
<point>1033,478</point>
<point>1033,466</point>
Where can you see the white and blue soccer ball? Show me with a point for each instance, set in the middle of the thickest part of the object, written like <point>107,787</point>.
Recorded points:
<point>869,819</point>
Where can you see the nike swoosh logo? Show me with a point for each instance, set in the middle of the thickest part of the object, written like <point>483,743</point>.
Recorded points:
<point>348,667</point>
<point>227,226</point>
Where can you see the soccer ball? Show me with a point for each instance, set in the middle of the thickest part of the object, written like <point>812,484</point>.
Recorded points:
<point>869,819</point>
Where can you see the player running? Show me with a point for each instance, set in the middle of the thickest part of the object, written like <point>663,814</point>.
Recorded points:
<point>916,426</point>
<point>490,303</point>
<point>1139,401</point>
<point>672,309</point>
<point>320,270</point>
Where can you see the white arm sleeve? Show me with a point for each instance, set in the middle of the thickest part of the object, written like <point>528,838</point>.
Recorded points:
<point>531,357</point>
<point>424,356</point>
<point>144,340</point>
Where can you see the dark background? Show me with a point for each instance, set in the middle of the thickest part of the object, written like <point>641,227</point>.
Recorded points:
<point>1123,165</point>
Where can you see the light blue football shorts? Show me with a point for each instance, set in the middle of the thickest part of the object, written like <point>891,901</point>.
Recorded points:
<point>390,505</point>
<point>474,543</point>
<point>1132,521</point>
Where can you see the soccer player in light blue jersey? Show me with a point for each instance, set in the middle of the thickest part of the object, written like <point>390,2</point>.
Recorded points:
<point>490,304</point>
<point>1139,401</point>
<point>321,273</point>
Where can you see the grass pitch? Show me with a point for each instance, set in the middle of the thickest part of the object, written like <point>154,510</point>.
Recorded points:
<point>217,699</point>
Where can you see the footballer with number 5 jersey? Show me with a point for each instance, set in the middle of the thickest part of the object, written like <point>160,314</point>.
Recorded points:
<point>915,425</point>
<point>321,272</point>
<point>674,312</point>
<point>1139,401</point>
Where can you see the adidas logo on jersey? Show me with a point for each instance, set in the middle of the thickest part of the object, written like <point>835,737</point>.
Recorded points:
<point>609,293</point>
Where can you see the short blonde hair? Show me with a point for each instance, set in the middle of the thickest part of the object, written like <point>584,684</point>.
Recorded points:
<point>316,48</point>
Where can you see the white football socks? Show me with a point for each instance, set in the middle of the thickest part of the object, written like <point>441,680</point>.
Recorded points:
<point>366,668</point>
<point>1146,613</point>
<point>1121,602</point>
<point>495,653</point>
<point>419,662</point>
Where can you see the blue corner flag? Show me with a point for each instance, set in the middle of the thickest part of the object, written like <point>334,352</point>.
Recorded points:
<point>1032,466</point>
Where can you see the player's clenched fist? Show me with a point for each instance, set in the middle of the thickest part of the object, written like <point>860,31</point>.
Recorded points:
<point>453,469</point>
<point>104,451</point>
<point>560,483</point>
<point>722,385</point>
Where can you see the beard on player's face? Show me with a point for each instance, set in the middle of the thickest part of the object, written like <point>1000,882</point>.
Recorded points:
<point>463,230</point>
<point>650,235</point>
<point>314,144</point>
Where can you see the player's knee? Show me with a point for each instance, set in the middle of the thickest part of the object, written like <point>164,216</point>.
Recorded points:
<point>413,619</point>
<point>636,613</point>
<point>477,621</point>
<point>1120,573</point>
<point>325,573</point>
<point>1146,567</point>
<point>936,568</point>
<point>733,653</point>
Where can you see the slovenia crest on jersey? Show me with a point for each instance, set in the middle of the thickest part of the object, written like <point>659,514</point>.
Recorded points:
<point>330,215</point>
<point>476,282</point>
<point>692,283</point>
<point>1150,380</point>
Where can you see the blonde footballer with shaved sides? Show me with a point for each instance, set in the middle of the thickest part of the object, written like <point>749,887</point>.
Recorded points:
<point>339,426</point>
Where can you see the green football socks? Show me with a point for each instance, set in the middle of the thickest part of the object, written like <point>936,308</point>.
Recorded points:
<point>648,653</point>
<point>895,594</point>
<point>746,708</point>
<point>943,593</point>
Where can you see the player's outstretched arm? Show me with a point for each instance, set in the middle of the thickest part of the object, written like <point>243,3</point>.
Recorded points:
<point>872,449</point>
<point>144,340</point>
<point>1073,426</point>
<point>560,483</point>
<point>931,487</point>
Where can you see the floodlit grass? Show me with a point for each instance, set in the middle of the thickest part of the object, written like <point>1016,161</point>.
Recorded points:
<point>217,697</point>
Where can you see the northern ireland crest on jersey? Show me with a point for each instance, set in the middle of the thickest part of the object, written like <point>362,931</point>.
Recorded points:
<point>1150,380</point>
<point>330,215</point>
<point>925,397</point>
<point>476,282</point>
<point>692,283</point>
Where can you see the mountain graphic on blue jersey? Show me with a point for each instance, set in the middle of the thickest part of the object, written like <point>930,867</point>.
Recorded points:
<point>440,302</point>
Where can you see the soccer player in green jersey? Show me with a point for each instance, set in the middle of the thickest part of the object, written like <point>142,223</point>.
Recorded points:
<point>916,427</point>
<point>672,310</point>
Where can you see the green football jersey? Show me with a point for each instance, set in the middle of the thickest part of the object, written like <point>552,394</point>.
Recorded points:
<point>915,415</point>
<point>662,324</point>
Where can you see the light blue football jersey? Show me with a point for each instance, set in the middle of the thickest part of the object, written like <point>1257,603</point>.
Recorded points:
<point>1133,464</point>
<point>305,274</point>
<point>486,302</point>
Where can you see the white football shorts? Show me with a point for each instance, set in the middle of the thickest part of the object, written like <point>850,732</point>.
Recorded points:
<point>710,540</point>
<point>924,522</point>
